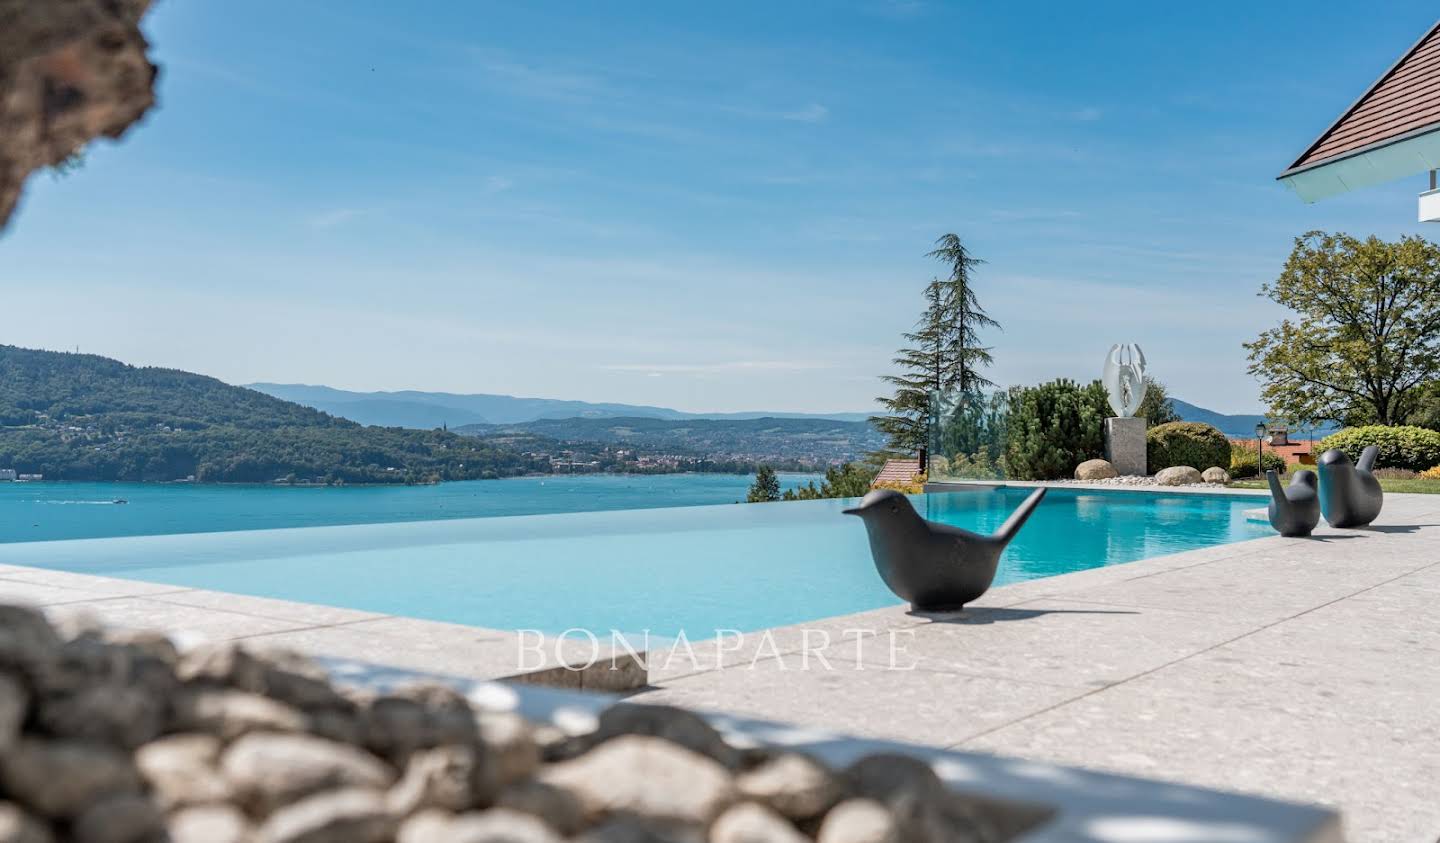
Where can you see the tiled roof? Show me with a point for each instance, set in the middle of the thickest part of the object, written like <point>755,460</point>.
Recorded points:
<point>1404,102</point>
<point>898,471</point>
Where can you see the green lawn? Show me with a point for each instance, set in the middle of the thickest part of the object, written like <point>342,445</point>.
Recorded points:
<point>1424,487</point>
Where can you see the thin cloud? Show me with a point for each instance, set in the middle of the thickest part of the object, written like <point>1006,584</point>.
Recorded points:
<point>812,113</point>
<point>1089,114</point>
<point>333,218</point>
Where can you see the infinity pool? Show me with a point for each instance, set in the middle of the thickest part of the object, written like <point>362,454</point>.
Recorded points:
<point>699,569</point>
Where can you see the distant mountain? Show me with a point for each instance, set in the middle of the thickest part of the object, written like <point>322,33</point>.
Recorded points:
<point>428,410</point>
<point>1238,426</point>
<point>85,417</point>
<point>810,440</point>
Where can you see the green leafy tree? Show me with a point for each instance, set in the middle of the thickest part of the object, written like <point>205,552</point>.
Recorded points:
<point>1156,408</point>
<point>944,356</point>
<point>766,487</point>
<point>1365,338</point>
<point>851,480</point>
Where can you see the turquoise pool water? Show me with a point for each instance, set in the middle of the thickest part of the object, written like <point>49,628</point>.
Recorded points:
<point>49,511</point>
<point>695,569</point>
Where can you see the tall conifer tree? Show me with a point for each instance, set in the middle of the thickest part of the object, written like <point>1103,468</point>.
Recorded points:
<point>944,356</point>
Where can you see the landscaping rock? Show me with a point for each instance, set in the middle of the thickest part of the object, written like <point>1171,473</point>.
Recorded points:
<point>26,639</point>
<point>14,705</point>
<point>794,785</point>
<point>128,715</point>
<point>1215,474</point>
<point>859,821</point>
<point>752,823</point>
<point>70,71</point>
<point>271,770</point>
<point>676,725</point>
<point>494,826</point>
<point>282,675</point>
<point>208,824</point>
<point>1095,470</point>
<point>183,770</point>
<point>337,816</point>
<point>647,777</point>
<point>417,717</point>
<point>446,777</point>
<point>17,826</point>
<point>1178,475</point>
<point>228,714</point>
<point>124,818</point>
<point>558,807</point>
<point>510,746</point>
<point>60,778</point>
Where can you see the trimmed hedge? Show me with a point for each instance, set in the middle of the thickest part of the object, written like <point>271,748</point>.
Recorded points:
<point>1195,444</point>
<point>1242,461</point>
<point>1401,446</point>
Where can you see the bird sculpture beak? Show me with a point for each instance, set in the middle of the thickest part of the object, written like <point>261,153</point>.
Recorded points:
<point>854,510</point>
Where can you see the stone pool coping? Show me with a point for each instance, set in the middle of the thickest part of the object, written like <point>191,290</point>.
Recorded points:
<point>1299,669</point>
<point>194,615</point>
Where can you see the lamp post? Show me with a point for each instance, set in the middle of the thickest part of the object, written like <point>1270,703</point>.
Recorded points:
<point>1260,430</point>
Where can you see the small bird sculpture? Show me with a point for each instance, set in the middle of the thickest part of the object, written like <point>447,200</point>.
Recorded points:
<point>1294,509</point>
<point>936,567</point>
<point>1350,496</point>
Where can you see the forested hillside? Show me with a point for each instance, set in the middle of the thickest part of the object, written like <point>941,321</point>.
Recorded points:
<point>85,417</point>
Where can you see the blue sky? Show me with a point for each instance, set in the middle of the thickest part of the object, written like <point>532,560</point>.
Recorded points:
<point>705,206</point>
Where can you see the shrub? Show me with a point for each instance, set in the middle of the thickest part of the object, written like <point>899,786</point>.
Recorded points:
<point>1054,427</point>
<point>1395,474</point>
<point>1432,473</point>
<point>1414,448</point>
<point>1242,460</point>
<point>1195,444</point>
<point>914,487</point>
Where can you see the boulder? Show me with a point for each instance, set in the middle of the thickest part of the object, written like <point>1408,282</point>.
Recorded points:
<point>350,815</point>
<point>228,714</point>
<point>70,70</point>
<point>792,784</point>
<point>647,777</point>
<point>1095,470</point>
<point>859,821</point>
<point>1215,474</point>
<point>445,777</point>
<point>14,703</point>
<point>208,824</point>
<point>558,807</point>
<point>123,818</point>
<point>62,778</point>
<point>1178,475</point>
<point>183,770</point>
<point>271,770</point>
<point>16,826</point>
<point>494,826</point>
<point>752,823</point>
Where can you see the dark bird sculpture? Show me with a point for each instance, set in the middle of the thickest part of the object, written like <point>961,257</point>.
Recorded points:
<point>1350,496</point>
<point>936,567</point>
<point>1294,509</point>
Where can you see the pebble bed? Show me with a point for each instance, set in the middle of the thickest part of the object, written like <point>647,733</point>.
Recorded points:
<point>1136,480</point>
<point>111,736</point>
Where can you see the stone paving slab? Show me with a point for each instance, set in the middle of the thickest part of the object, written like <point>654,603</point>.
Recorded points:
<point>1302,669</point>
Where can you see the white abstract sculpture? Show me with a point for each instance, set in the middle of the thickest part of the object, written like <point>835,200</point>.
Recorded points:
<point>1125,379</point>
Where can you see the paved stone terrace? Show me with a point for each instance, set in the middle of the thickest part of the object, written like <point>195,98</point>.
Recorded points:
<point>1303,669</point>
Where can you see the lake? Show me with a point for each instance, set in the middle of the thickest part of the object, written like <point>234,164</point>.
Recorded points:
<point>52,511</point>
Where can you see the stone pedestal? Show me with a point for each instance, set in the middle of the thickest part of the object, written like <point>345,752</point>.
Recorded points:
<point>1125,445</point>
